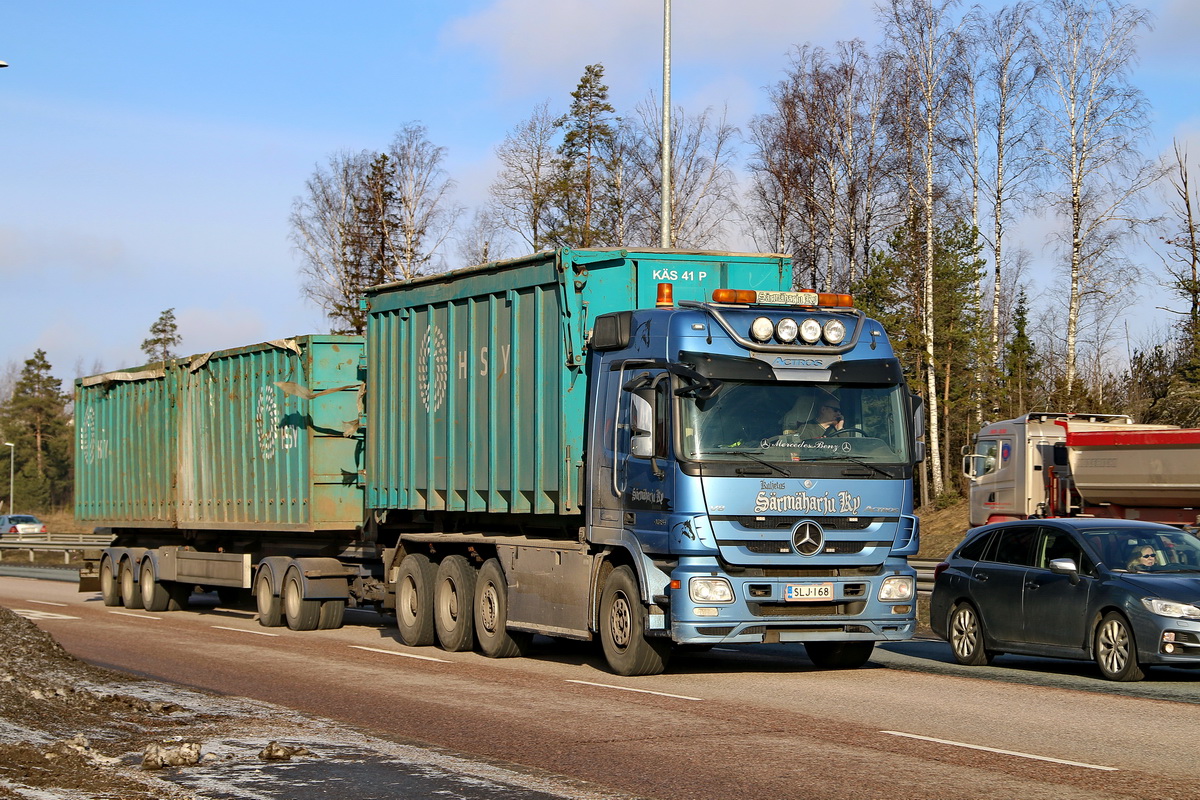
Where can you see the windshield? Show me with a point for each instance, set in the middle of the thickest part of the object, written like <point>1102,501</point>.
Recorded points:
<point>1146,550</point>
<point>789,422</point>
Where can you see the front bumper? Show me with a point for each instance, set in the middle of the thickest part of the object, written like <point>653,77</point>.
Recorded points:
<point>759,612</point>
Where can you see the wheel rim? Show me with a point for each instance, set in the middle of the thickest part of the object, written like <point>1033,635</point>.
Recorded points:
<point>126,581</point>
<point>964,633</point>
<point>262,594</point>
<point>291,599</point>
<point>620,621</point>
<point>448,605</point>
<point>1113,648</point>
<point>489,608</point>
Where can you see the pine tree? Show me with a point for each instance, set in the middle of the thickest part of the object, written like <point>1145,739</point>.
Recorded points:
<point>589,136</point>
<point>164,336</point>
<point>35,421</point>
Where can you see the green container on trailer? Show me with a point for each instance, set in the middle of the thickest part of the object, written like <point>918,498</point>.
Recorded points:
<point>476,378</point>
<point>258,438</point>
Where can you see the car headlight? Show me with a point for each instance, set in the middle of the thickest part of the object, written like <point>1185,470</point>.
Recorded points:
<point>896,588</point>
<point>710,590</point>
<point>1170,608</point>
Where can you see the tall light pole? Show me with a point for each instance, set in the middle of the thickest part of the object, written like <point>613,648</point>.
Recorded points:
<point>12,455</point>
<point>664,220</point>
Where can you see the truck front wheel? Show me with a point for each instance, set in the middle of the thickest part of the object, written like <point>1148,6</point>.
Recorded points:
<point>623,628</point>
<point>453,604</point>
<point>414,600</point>
<point>839,655</point>
<point>491,615</point>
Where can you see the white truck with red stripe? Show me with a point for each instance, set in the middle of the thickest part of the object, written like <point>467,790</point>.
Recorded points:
<point>1102,465</point>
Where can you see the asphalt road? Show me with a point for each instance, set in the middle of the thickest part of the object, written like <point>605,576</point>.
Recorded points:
<point>733,722</point>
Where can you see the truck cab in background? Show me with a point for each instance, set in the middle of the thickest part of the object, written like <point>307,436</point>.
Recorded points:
<point>1050,464</point>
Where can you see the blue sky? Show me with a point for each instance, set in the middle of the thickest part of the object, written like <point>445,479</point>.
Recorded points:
<point>150,151</point>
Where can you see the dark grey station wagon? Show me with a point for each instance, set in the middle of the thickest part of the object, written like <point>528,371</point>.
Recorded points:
<point>1122,593</point>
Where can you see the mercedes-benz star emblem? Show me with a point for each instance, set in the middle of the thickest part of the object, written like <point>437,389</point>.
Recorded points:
<point>808,538</point>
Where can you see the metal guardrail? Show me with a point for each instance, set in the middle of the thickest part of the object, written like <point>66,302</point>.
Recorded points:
<point>66,543</point>
<point>924,568</point>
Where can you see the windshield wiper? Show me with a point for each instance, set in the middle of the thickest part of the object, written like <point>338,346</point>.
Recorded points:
<point>745,454</point>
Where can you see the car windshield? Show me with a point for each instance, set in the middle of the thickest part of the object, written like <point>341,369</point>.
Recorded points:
<point>1154,550</point>
<point>789,422</point>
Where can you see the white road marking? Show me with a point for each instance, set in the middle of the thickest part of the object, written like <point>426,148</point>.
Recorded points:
<point>135,616</point>
<point>47,603</point>
<point>398,653</point>
<point>640,691</point>
<point>1002,752</point>
<point>243,630</point>
<point>33,614</point>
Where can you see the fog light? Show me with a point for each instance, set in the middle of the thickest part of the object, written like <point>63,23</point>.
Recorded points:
<point>1169,636</point>
<point>1167,648</point>
<point>901,609</point>
<point>706,612</point>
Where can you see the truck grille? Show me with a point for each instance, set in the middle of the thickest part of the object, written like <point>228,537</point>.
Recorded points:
<point>776,547</point>
<point>807,609</point>
<point>828,523</point>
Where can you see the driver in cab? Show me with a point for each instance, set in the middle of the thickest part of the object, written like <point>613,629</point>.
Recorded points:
<point>814,415</point>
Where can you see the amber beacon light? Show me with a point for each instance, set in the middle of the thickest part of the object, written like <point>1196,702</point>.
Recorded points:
<point>666,298</point>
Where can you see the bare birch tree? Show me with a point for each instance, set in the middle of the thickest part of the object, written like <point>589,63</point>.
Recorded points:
<point>928,40</point>
<point>1182,259</point>
<point>425,211</point>
<point>522,194</point>
<point>1095,119</point>
<point>324,230</point>
<point>703,188</point>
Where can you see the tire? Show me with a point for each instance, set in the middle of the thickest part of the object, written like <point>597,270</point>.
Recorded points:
<point>414,600</point>
<point>110,587</point>
<point>965,631</point>
<point>491,615</point>
<point>454,603</point>
<point>301,614</point>
<point>331,615</point>
<point>839,655</point>
<point>154,595</point>
<point>270,610</point>
<point>623,628</point>
<point>131,597</point>
<point>1116,650</point>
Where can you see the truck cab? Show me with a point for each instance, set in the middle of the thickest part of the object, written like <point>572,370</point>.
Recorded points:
<point>756,452</point>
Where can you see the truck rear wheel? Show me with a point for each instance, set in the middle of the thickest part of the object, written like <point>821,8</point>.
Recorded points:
<point>110,588</point>
<point>491,615</point>
<point>332,614</point>
<point>154,594</point>
<point>453,604</point>
<point>414,600</point>
<point>623,628</point>
<point>302,614</point>
<point>270,610</point>
<point>130,596</point>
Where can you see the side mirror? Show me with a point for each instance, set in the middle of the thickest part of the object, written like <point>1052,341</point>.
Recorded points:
<point>1065,566</point>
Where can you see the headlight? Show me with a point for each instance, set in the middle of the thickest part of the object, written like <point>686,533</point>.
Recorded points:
<point>810,331</point>
<point>896,588</point>
<point>710,590</point>
<point>786,330</point>
<point>835,331</point>
<point>762,329</point>
<point>1170,608</point>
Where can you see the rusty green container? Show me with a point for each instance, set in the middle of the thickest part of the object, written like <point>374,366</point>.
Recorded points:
<point>263,437</point>
<point>476,378</point>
